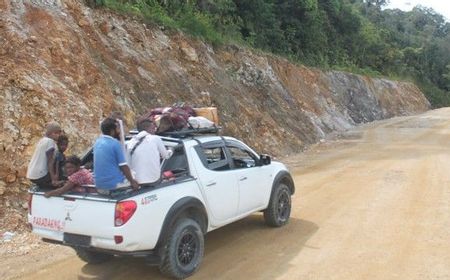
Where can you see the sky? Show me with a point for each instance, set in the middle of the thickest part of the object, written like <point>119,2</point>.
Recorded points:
<point>440,6</point>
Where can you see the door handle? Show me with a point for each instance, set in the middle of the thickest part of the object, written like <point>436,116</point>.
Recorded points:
<point>243,179</point>
<point>211,184</point>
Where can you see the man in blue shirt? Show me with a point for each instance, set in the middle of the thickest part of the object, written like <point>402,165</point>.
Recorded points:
<point>110,167</point>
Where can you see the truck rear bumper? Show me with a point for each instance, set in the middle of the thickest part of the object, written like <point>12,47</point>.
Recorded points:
<point>107,243</point>
<point>150,255</point>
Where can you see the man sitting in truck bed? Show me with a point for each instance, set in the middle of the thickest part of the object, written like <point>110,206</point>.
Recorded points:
<point>144,153</point>
<point>40,170</point>
<point>110,167</point>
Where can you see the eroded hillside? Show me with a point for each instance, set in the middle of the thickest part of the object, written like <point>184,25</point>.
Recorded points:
<point>60,60</point>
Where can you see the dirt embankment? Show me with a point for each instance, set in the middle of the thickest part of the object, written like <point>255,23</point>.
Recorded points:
<point>60,60</point>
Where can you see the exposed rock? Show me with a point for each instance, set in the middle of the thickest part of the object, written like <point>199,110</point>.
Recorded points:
<point>2,187</point>
<point>104,27</point>
<point>32,39</point>
<point>189,52</point>
<point>11,178</point>
<point>83,23</point>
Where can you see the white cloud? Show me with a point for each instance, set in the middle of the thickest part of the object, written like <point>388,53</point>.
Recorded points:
<point>440,6</point>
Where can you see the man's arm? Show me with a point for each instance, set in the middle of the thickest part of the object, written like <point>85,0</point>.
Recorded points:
<point>56,167</point>
<point>127,172</point>
<point>67,187</point>
<point>124,167</point>
<point>51,166</point>
<point>163,152</point>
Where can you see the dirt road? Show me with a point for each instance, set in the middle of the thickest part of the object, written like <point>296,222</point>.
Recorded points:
<point>373,205</point>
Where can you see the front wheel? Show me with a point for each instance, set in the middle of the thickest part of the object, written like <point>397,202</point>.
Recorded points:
<point>279,209</point>
<point>92,257</point>
<point>183,250</point>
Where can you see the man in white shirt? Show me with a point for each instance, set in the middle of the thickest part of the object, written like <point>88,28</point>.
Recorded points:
<point>40,169</point>
<point>144,153</point>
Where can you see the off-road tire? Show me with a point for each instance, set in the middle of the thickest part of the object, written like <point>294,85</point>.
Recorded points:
<point>279,209</point>
<point>183,249</point>
<point>92,257</point>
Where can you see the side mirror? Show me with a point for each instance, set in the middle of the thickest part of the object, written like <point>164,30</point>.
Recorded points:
<point>265,159</point>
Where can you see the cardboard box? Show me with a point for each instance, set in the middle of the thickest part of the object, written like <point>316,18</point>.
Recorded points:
<point>208,112</point>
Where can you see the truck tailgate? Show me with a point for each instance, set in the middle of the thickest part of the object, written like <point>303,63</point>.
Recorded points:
<point>68,218</point>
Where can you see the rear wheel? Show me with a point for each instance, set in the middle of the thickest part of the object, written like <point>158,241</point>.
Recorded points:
<point>183,250</point>
<point>92,257</point>
<point>279,210</point>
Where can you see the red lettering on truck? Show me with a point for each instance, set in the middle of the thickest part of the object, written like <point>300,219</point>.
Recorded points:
<point>48,223</point>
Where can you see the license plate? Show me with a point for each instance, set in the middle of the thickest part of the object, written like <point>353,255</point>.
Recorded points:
<point>77,239</point>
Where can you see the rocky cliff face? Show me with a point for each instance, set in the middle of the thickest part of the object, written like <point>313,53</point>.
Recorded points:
<point>60,60</point>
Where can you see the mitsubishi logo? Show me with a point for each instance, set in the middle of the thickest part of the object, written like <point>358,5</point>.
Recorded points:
<point>68,217</point>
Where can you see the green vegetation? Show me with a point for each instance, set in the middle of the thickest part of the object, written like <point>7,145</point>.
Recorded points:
<point>353,35</point>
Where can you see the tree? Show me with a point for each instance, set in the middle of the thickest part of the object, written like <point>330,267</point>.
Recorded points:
<point>260,25</point>
<point>446,77</point>
<point>377,3</point>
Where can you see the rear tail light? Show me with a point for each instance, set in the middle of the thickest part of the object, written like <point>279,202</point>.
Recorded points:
<point>124,211</point>
<point>30,202</point>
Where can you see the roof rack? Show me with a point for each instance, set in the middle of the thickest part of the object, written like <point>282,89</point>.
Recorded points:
<point>190,132</point>
<point>183,133</point>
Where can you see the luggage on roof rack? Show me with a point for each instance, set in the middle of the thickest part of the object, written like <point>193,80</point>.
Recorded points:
<point>181,119</point>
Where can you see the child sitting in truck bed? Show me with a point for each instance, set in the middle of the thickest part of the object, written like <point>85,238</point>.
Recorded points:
<point>77,177</point>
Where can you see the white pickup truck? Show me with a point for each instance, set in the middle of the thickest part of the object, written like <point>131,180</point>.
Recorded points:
<point>214,181</point>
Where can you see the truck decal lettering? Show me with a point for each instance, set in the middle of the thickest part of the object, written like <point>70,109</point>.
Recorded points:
<point>148,199</point>
<point>48,223</point>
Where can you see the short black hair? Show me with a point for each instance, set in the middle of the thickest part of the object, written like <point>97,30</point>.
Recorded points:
<point>108,125</point>
<point>73,160</point>
<point>62,139</point>
<point>143,124</point>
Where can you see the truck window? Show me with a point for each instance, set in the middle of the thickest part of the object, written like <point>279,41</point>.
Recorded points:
<point>241,157</point>
<point>216,158</point>
<point>177,163</point>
